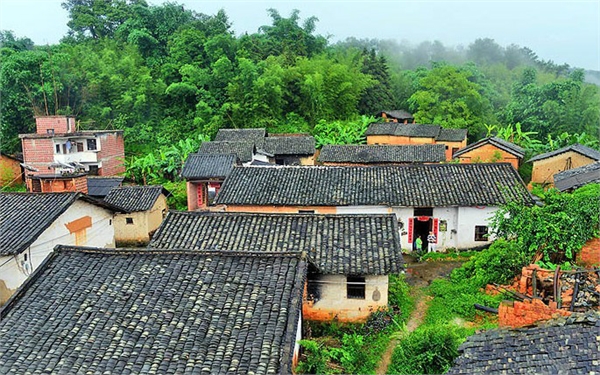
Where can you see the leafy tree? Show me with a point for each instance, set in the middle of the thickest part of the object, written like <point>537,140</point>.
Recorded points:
<point>379,96</point>
<point>485,52</point>
<point>97,18</point>
<point>446,96</point>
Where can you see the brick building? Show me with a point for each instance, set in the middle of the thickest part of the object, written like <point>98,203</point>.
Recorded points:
<point>58,150</point>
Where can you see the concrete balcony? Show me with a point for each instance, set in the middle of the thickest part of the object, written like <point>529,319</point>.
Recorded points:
<point>80,157</point>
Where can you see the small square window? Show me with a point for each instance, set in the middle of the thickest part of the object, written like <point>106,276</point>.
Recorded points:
<point>128,220</point>
<point>355,287</point>
<point>481,233</point>
<point>91,144</point>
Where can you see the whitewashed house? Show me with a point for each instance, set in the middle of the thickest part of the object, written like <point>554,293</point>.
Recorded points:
<point>455,201</point>
<point>32,224</point>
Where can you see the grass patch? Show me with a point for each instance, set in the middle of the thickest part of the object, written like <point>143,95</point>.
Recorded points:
<point>452,255</point>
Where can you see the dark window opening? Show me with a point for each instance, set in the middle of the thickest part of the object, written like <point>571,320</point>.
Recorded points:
<point>57,149</point>
<point>454,150</point>
<point>50,132</point>
<point>279,161</point>
<point>79,147</point>
<point>36,186</point>
<point>355,287</point>
<point>128,220</point>
<point>306,211</point>
<point>25,257</point>
<point>423,211</point>
<point>481,233</point>
<point>93,170</point>
<point>91,144</point>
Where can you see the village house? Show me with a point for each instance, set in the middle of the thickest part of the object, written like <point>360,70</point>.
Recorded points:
<point>396,116</point>
<point>128,311</point>
<point>144,206</point>
<point>291,149</point>
<point>455,201</point>
<point>58,148</point>
<point>572,179</point>
<point>245,151</point>
<point>561,346</point>
<point>99,187</point>
<point>389,133</point>
<point>31,224</point>
<point>546,165</point>
<point>367,155</point>
<point>252,135</point>
<point>204,175</point>
<point>11,171</point>
<point>350,256</point>
<point>491,150</point>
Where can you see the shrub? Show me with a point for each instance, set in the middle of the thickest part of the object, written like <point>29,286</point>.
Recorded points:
<point>427,350</point>
<point>399,297</point>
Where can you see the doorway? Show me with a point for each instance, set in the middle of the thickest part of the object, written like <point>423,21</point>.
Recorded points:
<point>421,227</point>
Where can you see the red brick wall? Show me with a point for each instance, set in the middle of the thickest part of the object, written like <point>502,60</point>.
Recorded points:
<point>60,124</point>
<point>521,314</point>
<point>111,154</point>
<point>589,256</point>
<point>38,153</point>
<point>76,184</point>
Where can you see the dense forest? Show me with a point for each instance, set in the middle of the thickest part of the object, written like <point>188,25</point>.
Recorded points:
<point>166,74</point>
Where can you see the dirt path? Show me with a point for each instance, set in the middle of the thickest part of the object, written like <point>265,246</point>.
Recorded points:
<point>418,276</point>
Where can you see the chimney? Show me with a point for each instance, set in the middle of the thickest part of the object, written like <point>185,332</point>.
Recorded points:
<point>55,124</point>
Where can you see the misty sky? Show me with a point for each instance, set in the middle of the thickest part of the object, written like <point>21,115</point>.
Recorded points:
<point>562,31</point>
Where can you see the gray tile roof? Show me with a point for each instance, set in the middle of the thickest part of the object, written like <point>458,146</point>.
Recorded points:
<point>290,145</point>
<point>381,128</point>
<point>451,135</point>
<point>498,142</point>
<point>243,149</point>
<point>204,166</point>
<point>135,198</point>
<point>580,149</point>
<point>565,346</point>
<point>417,130</point>
<point>335,244</point>
<point>25,216</point>
<point>420,185</point>
<point>100,186</point>
<point>375,154</point>
<point>399,114</point>
<point>255,135</point>
<point>88,310</point>
<point>577,177</point>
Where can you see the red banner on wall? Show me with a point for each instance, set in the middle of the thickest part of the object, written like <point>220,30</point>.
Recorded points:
<point>436,225</point>
<point>410,230</point>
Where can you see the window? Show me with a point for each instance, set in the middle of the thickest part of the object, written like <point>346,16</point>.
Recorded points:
<point>57,149</point>
<point>423,211</point>
<point>91,144</point>
<point>50,132</point>
<point>93,170</point>
<point>454,150</point>
<point>443,226</point>
<point>128,220</point>
<point>481,233</point>
<point>355,287</point>
<point>306,211</point>
<point>79,147</point>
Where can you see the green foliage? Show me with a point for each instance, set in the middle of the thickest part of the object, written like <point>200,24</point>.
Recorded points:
<point>342,132</point>
<point>557,229</point>
<point>178,198</point>
<point>316,356</point>
<point>499,263</point>
<point>427,350</point>
<point>400,297</point>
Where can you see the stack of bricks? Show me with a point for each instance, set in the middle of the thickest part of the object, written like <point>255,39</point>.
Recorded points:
<point>111,154</point>
<point>521,314</point>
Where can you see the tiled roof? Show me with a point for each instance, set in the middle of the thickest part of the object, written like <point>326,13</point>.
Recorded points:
<point>363,154</point>
<point>420,185</point>
<point>498,142</point>
<point>397,114</point>
<point>451,135</point>
<point>100,186</point>
<point>566,346</point>
<point>97,311</point>
<point>199,166</point>
<point>417,130</point>
<point>255,135</point>
<point>243,149</point>
<point>25,216</point>
<point>335,244</point>
<point>290,145</point>
<point>381,128</point>
<point>580,149</point>
<point>577,177</point>
<point>135,198</point>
